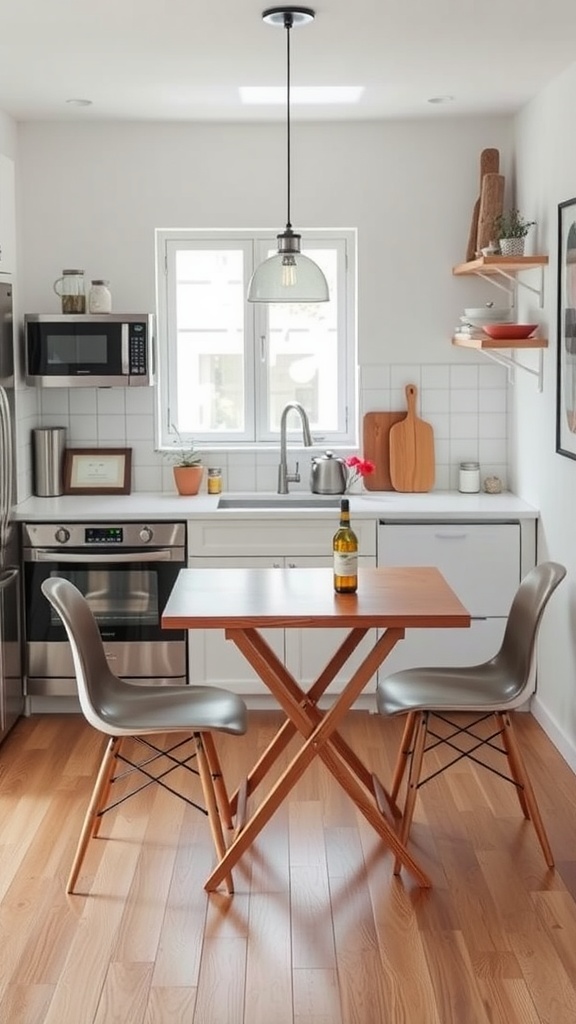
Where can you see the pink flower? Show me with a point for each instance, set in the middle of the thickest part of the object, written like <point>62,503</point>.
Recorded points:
<point>357,468</point>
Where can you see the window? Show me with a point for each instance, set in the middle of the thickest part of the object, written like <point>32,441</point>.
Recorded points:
<point>228,367</point>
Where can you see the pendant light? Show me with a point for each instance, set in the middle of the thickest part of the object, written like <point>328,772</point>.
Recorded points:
<point>288,276</point>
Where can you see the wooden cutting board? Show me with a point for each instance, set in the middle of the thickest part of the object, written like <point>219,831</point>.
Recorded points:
<point>376,447</point>
<point>412,465</point>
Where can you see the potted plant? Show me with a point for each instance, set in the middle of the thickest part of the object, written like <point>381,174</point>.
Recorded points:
<point>186,465</point>
<point>511,229</point>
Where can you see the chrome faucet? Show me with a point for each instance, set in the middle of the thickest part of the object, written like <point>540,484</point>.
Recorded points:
<point>284,477</point>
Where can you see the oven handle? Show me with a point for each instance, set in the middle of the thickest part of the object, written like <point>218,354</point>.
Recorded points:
<point>64,557</point>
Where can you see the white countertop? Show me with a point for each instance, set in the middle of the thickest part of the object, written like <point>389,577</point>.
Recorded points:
<point>387,505</point>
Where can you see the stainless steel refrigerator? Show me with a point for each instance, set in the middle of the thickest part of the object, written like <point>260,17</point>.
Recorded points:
<point>11,682</point>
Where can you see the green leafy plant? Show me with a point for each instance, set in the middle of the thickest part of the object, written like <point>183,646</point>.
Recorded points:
<point>512,225</point>
<point>184,453</point>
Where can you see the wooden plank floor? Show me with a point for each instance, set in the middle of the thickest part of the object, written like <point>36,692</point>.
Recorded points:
<point>319,930</point>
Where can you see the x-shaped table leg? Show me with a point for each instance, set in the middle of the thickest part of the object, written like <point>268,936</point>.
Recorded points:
<point>318,731</point>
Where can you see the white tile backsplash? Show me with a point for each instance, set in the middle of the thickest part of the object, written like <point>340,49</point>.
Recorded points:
<point>466,405</point>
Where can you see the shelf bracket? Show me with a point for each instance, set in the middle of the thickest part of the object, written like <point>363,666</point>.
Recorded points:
<point>512,365</point>
<point>514,283</point>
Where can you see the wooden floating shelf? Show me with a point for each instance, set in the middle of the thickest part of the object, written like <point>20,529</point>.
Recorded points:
<point>488,343</point>
<point>499,264</point>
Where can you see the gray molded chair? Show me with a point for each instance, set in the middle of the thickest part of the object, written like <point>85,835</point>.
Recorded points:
<point>123,710</point>
<point>495,688</point>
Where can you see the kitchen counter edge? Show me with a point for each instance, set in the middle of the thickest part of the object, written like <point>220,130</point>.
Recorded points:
<point>385,505</point>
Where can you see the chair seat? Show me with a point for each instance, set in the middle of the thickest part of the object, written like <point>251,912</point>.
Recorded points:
<point>486,687</point>
<point>129,708</point>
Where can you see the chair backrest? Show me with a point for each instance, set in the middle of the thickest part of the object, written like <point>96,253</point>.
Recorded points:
<point>518,651</point>
<point>96,683</point>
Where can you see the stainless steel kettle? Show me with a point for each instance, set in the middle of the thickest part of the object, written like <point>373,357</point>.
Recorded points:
<point>328,474</point>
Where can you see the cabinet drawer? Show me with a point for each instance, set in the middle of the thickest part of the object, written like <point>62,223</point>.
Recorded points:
<point>480,561</point>
<point>273,536</point>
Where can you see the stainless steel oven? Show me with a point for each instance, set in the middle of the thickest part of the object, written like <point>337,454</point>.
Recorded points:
<point>126,571</point>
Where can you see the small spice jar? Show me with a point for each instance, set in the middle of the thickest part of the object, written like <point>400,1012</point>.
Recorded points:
<point>214,480</point>
<point>469,477</point>
<point>99,297</point>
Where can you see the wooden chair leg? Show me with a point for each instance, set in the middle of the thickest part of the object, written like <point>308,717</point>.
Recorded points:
<point>403,754</point>
<point>218,779</point>
<point>420,727</point>
<point>97,801</point>
<point>211,804</point>
<point>519,768</point>
<point>513,767</point>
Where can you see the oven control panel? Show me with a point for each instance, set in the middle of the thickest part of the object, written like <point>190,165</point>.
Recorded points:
<point>104,535</point>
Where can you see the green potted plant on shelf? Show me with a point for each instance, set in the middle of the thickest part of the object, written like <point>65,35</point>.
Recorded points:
<point>511,228</point>
<point>186,465</point>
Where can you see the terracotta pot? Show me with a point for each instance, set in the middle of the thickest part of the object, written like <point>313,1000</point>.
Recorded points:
<point>188,478</point>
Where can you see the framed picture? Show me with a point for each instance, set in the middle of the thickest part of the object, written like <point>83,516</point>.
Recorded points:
<point>566,379</point>
<point>97,470</point>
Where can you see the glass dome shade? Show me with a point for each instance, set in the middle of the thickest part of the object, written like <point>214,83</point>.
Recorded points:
<point>288,277</point>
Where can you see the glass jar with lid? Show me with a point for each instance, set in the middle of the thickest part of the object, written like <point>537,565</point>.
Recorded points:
<point>469,477</point>
<point>99,297</point>
<point>70,288</point>
<point>214,480</point>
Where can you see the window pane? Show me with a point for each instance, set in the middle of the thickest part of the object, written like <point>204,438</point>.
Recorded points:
<point>210,290</point>
<point>303,353</point>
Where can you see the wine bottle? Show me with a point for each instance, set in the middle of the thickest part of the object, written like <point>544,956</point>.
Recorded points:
<point>345,547</point>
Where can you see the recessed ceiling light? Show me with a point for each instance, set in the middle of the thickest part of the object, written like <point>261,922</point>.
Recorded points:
<point>79,103</point>
<point>323,94</point>
<point>441,99</point>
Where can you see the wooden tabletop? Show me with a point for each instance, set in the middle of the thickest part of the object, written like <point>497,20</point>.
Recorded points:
<point>305,598</point>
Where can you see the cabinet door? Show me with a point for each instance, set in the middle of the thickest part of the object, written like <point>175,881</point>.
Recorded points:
<point>480,561</point>
<point>7,217</point>
<point>309,650</point>
<point>216,661</point>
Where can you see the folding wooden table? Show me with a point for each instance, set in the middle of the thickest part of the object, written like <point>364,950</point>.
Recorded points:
<point>244,601</point>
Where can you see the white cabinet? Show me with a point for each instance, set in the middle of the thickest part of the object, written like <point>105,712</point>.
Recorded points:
<point>264,543</point>
<point>7,216</point>
<point>483,563</point>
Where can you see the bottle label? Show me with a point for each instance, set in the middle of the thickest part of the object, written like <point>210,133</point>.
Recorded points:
<point>345,563</point>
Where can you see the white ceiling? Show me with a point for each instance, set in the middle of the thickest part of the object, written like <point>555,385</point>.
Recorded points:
<point>183,60</point>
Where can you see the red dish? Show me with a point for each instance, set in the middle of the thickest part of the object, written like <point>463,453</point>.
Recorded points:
<point>500,332</point>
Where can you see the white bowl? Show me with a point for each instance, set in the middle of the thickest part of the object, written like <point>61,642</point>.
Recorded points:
<point>499,314</point>
<point>479,321</point>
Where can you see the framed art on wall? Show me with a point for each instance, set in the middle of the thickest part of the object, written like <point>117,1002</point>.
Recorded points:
<point>566,376</point>
<point>97,470</point>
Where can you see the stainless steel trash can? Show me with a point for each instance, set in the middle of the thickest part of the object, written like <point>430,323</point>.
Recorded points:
<point>48,446</point>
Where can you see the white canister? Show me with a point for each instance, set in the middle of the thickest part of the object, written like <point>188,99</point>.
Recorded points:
<point>469,477</point>
<point>99,297</point>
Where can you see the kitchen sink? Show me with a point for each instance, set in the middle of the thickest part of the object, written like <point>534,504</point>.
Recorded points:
<point>281,501</point>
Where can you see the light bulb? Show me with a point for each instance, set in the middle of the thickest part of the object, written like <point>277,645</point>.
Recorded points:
<point>289,276</point>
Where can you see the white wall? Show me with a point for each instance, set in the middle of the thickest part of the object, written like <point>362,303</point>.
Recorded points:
<point>8,135</point>
<point>546,176</point>
<point>93,195</point>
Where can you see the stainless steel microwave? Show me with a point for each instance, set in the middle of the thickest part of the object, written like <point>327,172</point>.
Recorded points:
<point>111,350</point>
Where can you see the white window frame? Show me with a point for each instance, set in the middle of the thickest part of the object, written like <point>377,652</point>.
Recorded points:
<point>255,247</point>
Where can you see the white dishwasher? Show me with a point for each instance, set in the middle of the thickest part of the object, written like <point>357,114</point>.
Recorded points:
<point>480,561</point>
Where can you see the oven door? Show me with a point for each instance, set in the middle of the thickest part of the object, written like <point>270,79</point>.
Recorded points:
<point>126,591</point>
